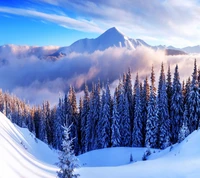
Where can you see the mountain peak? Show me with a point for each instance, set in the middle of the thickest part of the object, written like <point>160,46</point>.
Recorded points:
<point>113,31</point>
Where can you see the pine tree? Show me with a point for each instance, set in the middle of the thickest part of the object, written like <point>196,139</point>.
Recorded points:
<point>67,160</point>
<point>84,116</point>
<point>93,118</point>
<point>125,124</point>
<point>90,123</point>
<point>96,115</point>
<point>72,118</point>
<point>79,125</point>
<point>176,107</point>
<point>184,131</point>
<point>169,90</point>
<point>1,101</point>
<point>145,93</point>
<point>129,92</point>
<point>194,102</point>
<point>104,122</point>
<point>151,139</point>
<point>49,125</point>
<point>163,114</point>
<point>137,129</point>
<point>115,128</point>
<point>58,126</point>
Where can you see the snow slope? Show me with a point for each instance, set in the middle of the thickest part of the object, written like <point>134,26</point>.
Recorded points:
<point>21,155</point>
<point>179,161</point>
<point>109,157</point>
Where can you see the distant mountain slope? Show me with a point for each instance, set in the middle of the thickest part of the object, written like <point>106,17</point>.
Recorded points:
<point>192,49</point>
<point>173,52</point>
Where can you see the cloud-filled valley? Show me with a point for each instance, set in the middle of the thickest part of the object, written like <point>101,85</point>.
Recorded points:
<point>36,79</point>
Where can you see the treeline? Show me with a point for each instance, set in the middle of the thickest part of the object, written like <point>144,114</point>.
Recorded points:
<point>137,116</point>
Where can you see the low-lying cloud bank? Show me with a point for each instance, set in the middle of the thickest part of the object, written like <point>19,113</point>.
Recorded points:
<point>36,80</point>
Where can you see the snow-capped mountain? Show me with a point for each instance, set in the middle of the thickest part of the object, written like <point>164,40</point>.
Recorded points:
<point>111,38</point>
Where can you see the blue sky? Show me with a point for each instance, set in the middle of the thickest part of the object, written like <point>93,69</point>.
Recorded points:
<point>61,22</point>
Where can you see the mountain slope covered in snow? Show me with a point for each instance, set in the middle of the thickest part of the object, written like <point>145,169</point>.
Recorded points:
<point>109,39</point>
<point>112,38</point>
<point>21,155</point>
<point>24,156</point>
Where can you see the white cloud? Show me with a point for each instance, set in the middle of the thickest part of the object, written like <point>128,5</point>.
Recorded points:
<point>37,80</point>
<point>170,22</point>
<point>65,21</point>
<point>174,22</point>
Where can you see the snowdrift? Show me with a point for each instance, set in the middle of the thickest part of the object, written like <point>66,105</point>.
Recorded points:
<point>21,155</point>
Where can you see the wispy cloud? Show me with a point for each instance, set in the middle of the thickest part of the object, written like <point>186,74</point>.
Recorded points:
<point>65,21</point>
<point>163,19</point>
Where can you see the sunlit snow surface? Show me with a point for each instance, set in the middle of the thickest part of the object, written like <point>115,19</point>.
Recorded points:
<point>179,161</point>
<point>22,156</point>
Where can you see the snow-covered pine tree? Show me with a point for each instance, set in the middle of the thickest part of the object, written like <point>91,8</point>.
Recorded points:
<point>115,133</point>
<point>169,92</point>
<point>29,119</point>
<point>124,116</point>
<point>67,160</point>
<point>1,101</point>
<point>79,125</point>
<point>72,118</point>
<point>125,124</point>
<point>176,107</point>
<point>93,118</point>
<point>99,123</point>
<point>36,118</point>
<point>184,131</point>
<point>137,137</point>
<point>129,92</point>
<point>96,115</point>
<point>104,124</point>
<point>163,114</point>
<point>144,106</point>
<point>90,123</point>
<point>49,122</point>
<point>58,126</point>
<point>151,139</point>
<point>84,116</point>
<point>186,94</point>
<point>53,119</point>
<point>120,109</point>
<point>194,102</point>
